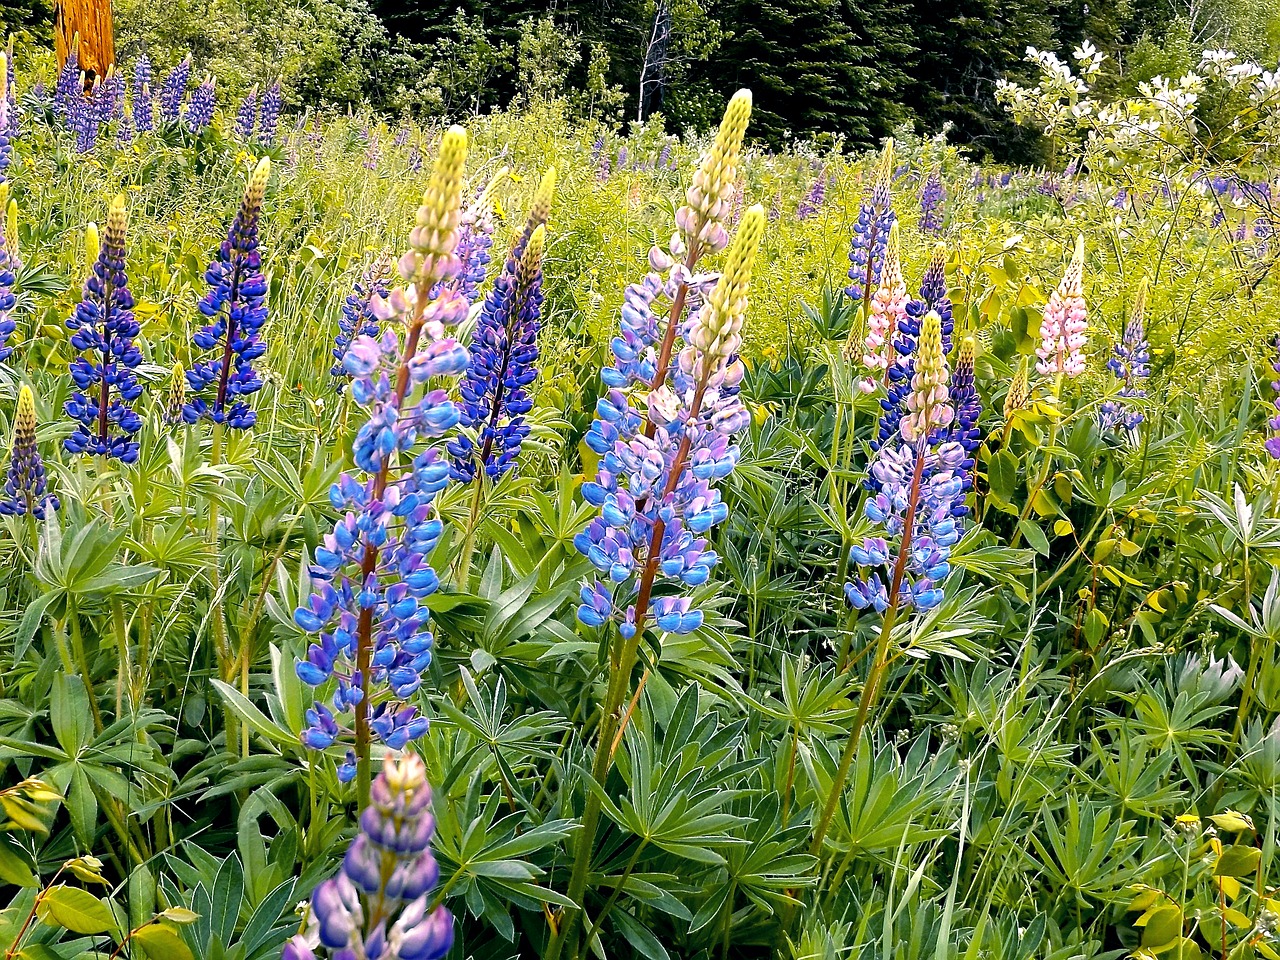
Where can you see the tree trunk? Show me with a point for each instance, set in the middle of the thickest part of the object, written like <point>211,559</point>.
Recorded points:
<point>86,26</point>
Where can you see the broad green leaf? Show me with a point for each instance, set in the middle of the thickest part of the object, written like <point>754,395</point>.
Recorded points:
<point>77,910</point>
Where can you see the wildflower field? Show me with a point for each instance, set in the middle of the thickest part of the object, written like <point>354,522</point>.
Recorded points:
<point>533,539</point>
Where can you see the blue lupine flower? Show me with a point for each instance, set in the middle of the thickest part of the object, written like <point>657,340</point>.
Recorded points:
<point>1130,363</point>
<point>247,115</point>
<point>964,428</point>
<point>372,574</point>
<point>931,204</point>
<point>1273,442</point>
<point>69,85</point>
<point>104,330</point>
<point>269,116</point>
<point>141,106</point>
<point>871,233</point>
<point>358,318</point>
<point>7,299</point>
<point>8,129</point>
<point>113,96</point>
<point>26,490</point>
<point>378,907</point>
<point>654,488</point>
<point>504,356</point>
<point>200,109</point>
<point>236,307</point>
<point>85,119</point>
<point>917,484</point>
<point>173,91</point>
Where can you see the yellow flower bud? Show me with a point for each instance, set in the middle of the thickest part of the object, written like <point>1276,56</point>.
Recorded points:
<point>540,210</point>
<point>91,244</point>
<point>435,235</point>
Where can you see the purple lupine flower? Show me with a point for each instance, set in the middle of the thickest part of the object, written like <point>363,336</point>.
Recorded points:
<point>200,109</point>
<point>83,118</point>
<point>603,171</point>
<point>7,299</point>
<point>597,150</point>
<point>8,129</point>
<point>415,159</point>
<point>269,116</point>
<point>964,428</point>
<point>1130,363</point>
<point>504,357</point>
<point>142,105</point>
<point>105,327</point>
<point>813,200</point>
<point>173,91</point>
<point>69,86</point>
<point>373,154</point>
<point>26,487</point>
<point>931,195</point>
<point>871,234</point>
<point>1273,441</point>
<point>917,482</point>
<point>1121,199</point>
<point>247,115</point>
<point>664,156</point>
<point>372,574</point>
<point>113,96</point>
<point>236,308</point>
<point>378,906</point>
<point>475,240</point>
<point>622,158</point>
<point>357,318</point>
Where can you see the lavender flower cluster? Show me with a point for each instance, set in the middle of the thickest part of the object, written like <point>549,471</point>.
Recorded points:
<point>372,574</point>
<point>378,907</point>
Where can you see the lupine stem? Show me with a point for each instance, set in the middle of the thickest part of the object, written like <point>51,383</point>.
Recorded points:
<point>1044,473</point>
<point>623,661</point>
<point>871,689</point>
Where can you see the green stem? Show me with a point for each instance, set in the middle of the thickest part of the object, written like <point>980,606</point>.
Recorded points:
<point>871,689</point>
<point>1048,466</point>
<point>77,645</point>
<point>463,575</point>
<point>221,645</point>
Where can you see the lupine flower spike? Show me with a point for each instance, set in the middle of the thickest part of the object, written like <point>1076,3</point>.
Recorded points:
<point>1273,442</point>
<point>8,119</point>
<point>968,406</point>
<point>176,397</point>
<point>26,488</point>
<point>372,574</point>
<point>269,116</point>
<point>142,107</point>
<point>917,482</point>
<point>247,115</point>
<point>7,299</point>
<point>236,307</point>
<point>654,493</point>
<point>378,907</point>
<point>200,109</point>
<point>475,238</point>
<point>1130,363</point>
<point>104,330</point>
<point>1065,320</point>
<point>173,91</point>
<point>931,204</point>
<point>888,309</point>
<point>871,233</point>
<point>701,230</point>
<point>504,355</point>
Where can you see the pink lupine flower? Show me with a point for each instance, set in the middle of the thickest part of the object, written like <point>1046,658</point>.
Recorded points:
<point>1062,330</point>
<point>888,307</point>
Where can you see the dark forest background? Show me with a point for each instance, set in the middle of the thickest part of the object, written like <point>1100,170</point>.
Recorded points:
<point>852,70</point>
